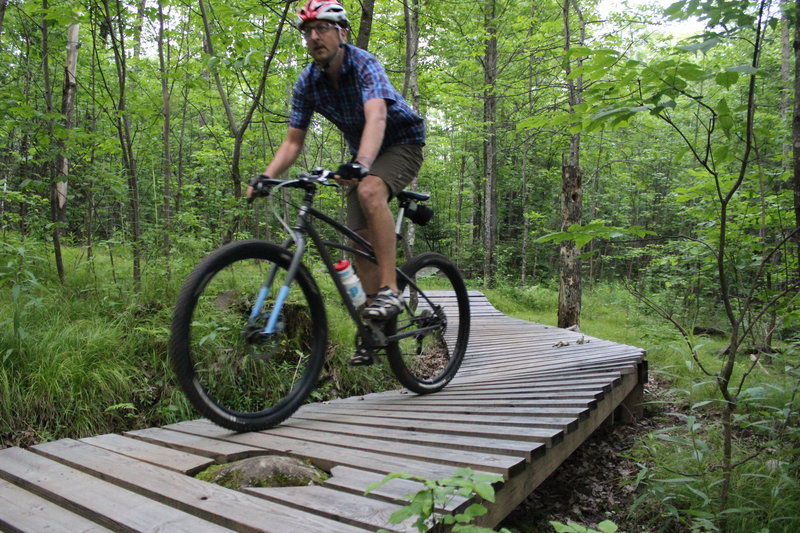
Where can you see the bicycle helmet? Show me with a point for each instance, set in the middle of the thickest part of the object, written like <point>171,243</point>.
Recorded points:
<point>330,10</point>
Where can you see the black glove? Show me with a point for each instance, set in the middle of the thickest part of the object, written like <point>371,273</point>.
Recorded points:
<point>352,171</point>
<point>260,185</point>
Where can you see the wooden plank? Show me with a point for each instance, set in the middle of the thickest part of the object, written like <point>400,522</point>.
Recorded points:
<point>96,500</point>
<point>24,512</point>
<point>210,502</point>
<point>369,513</point>
<point>539,380</point>
<point>220,451</point>
<point>322,455</point>
<point>183,462</point>
<point>532,395</point>
<point>356,481</point>
<point>526,450</point>
<point>418,417</point>
<point>403,397</point>
<point>564,359</point>
<point>434,407</point>
<point>546,436</point>
<point>505,465</point>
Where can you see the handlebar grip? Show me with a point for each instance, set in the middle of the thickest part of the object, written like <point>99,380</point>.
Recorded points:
<point>262,186</point>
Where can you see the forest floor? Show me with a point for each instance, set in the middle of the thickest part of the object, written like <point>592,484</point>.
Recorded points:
<point>594,483</point>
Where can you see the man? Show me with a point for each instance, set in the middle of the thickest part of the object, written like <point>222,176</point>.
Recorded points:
<point>350,88</point>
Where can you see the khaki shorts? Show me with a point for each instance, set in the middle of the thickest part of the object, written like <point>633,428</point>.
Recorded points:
<point>396,166</point>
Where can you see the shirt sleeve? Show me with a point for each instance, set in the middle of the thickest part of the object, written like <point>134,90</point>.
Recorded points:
<point>302,106</point>
<point>375,83</point>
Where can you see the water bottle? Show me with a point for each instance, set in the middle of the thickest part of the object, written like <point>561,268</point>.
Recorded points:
<point>351,282</point>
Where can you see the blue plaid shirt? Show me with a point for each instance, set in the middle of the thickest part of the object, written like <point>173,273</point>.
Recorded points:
<point>361,78</point>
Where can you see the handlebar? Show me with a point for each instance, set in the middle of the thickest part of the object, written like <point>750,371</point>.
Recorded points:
<point>308,181</point>
<point>263,186</point>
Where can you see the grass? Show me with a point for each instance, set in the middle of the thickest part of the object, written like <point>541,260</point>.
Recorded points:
<point>680,472</point>
<point>91,356</point>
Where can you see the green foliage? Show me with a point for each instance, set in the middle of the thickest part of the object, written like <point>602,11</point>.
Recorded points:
<point>582,235</point>
<point>436,494</point>
<point>91,357</point>
<point>606,526</point>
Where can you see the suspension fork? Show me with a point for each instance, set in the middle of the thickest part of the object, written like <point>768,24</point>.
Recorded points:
<point>299,241</point>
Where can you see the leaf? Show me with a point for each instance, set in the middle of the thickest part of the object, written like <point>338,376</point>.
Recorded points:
<point>724,116</point>
<point>744,69</point>
<point>703,46</point>
<point>727,78</point>
<point>607,526</point>
<point>470,513</point>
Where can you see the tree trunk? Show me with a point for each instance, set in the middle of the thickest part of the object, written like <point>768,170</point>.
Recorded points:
<point>365,27</point>
<point>51,165</point>
<point>68,111</point>
<point>569,297</point>
<point>3,4</point>
<point>785,90</point>
<point>166,163</point>
<point>237,132</point>
<point>411,79</point>
<point>490,146</point>
<point>796,133</point>
<point>122,124</point>
<point>525,222</point>
<point>137,28</point>
<point>410,82</point>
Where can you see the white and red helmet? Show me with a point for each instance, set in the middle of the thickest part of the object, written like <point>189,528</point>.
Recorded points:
<point>330,10</point>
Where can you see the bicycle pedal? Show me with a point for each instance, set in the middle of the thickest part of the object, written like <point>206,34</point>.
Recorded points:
<point>363,358</point>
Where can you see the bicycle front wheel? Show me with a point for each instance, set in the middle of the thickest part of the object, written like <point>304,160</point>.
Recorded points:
<point>230,370</point>
<point>433,328</point>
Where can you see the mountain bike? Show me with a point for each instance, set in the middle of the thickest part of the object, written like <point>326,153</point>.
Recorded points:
<point>249,333</point>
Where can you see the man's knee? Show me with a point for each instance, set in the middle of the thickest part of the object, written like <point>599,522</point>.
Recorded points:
<point>373,192</point>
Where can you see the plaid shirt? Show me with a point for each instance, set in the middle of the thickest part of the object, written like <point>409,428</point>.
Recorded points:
<point>361,78</point>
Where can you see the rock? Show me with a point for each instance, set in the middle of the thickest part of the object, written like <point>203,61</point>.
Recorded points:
<point>264,471</point>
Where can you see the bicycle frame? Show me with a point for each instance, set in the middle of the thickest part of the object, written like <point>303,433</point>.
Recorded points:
<point>303,227</point>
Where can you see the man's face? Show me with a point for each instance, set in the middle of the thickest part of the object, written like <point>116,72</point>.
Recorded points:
<point>322,40</point>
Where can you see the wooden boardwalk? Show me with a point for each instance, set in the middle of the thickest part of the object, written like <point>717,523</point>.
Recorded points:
<point>527,395</point>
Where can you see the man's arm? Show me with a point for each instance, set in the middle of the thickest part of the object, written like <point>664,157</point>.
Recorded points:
<point>286,155</point>
<point>374,129</point>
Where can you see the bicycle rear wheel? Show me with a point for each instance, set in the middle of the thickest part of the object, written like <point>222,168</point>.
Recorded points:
<point>434,324</point>
<point>233,374</point>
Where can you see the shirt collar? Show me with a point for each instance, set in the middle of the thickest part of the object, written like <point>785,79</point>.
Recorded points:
<point>347,65</point>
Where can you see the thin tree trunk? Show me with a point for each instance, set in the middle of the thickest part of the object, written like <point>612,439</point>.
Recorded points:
<point>365,27</point>
<point>525,222</point>
<point>724,377</point>
<point>68,111</point>
<point>410,82</point>
<point>3,4</point>
<point>137,28</point>
<point>237,132</point>
<point>490,145</point>
<point>124,134</point>
<point>569,297</point>
<point>411,79</point>
<point>51,165</point>
<point>796,133</point>
<point>166,163</point>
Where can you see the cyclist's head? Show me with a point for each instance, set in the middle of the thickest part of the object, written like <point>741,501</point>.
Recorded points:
<point>330,10</point>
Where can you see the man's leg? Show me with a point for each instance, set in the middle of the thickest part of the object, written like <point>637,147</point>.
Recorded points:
<point>373,195</point>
